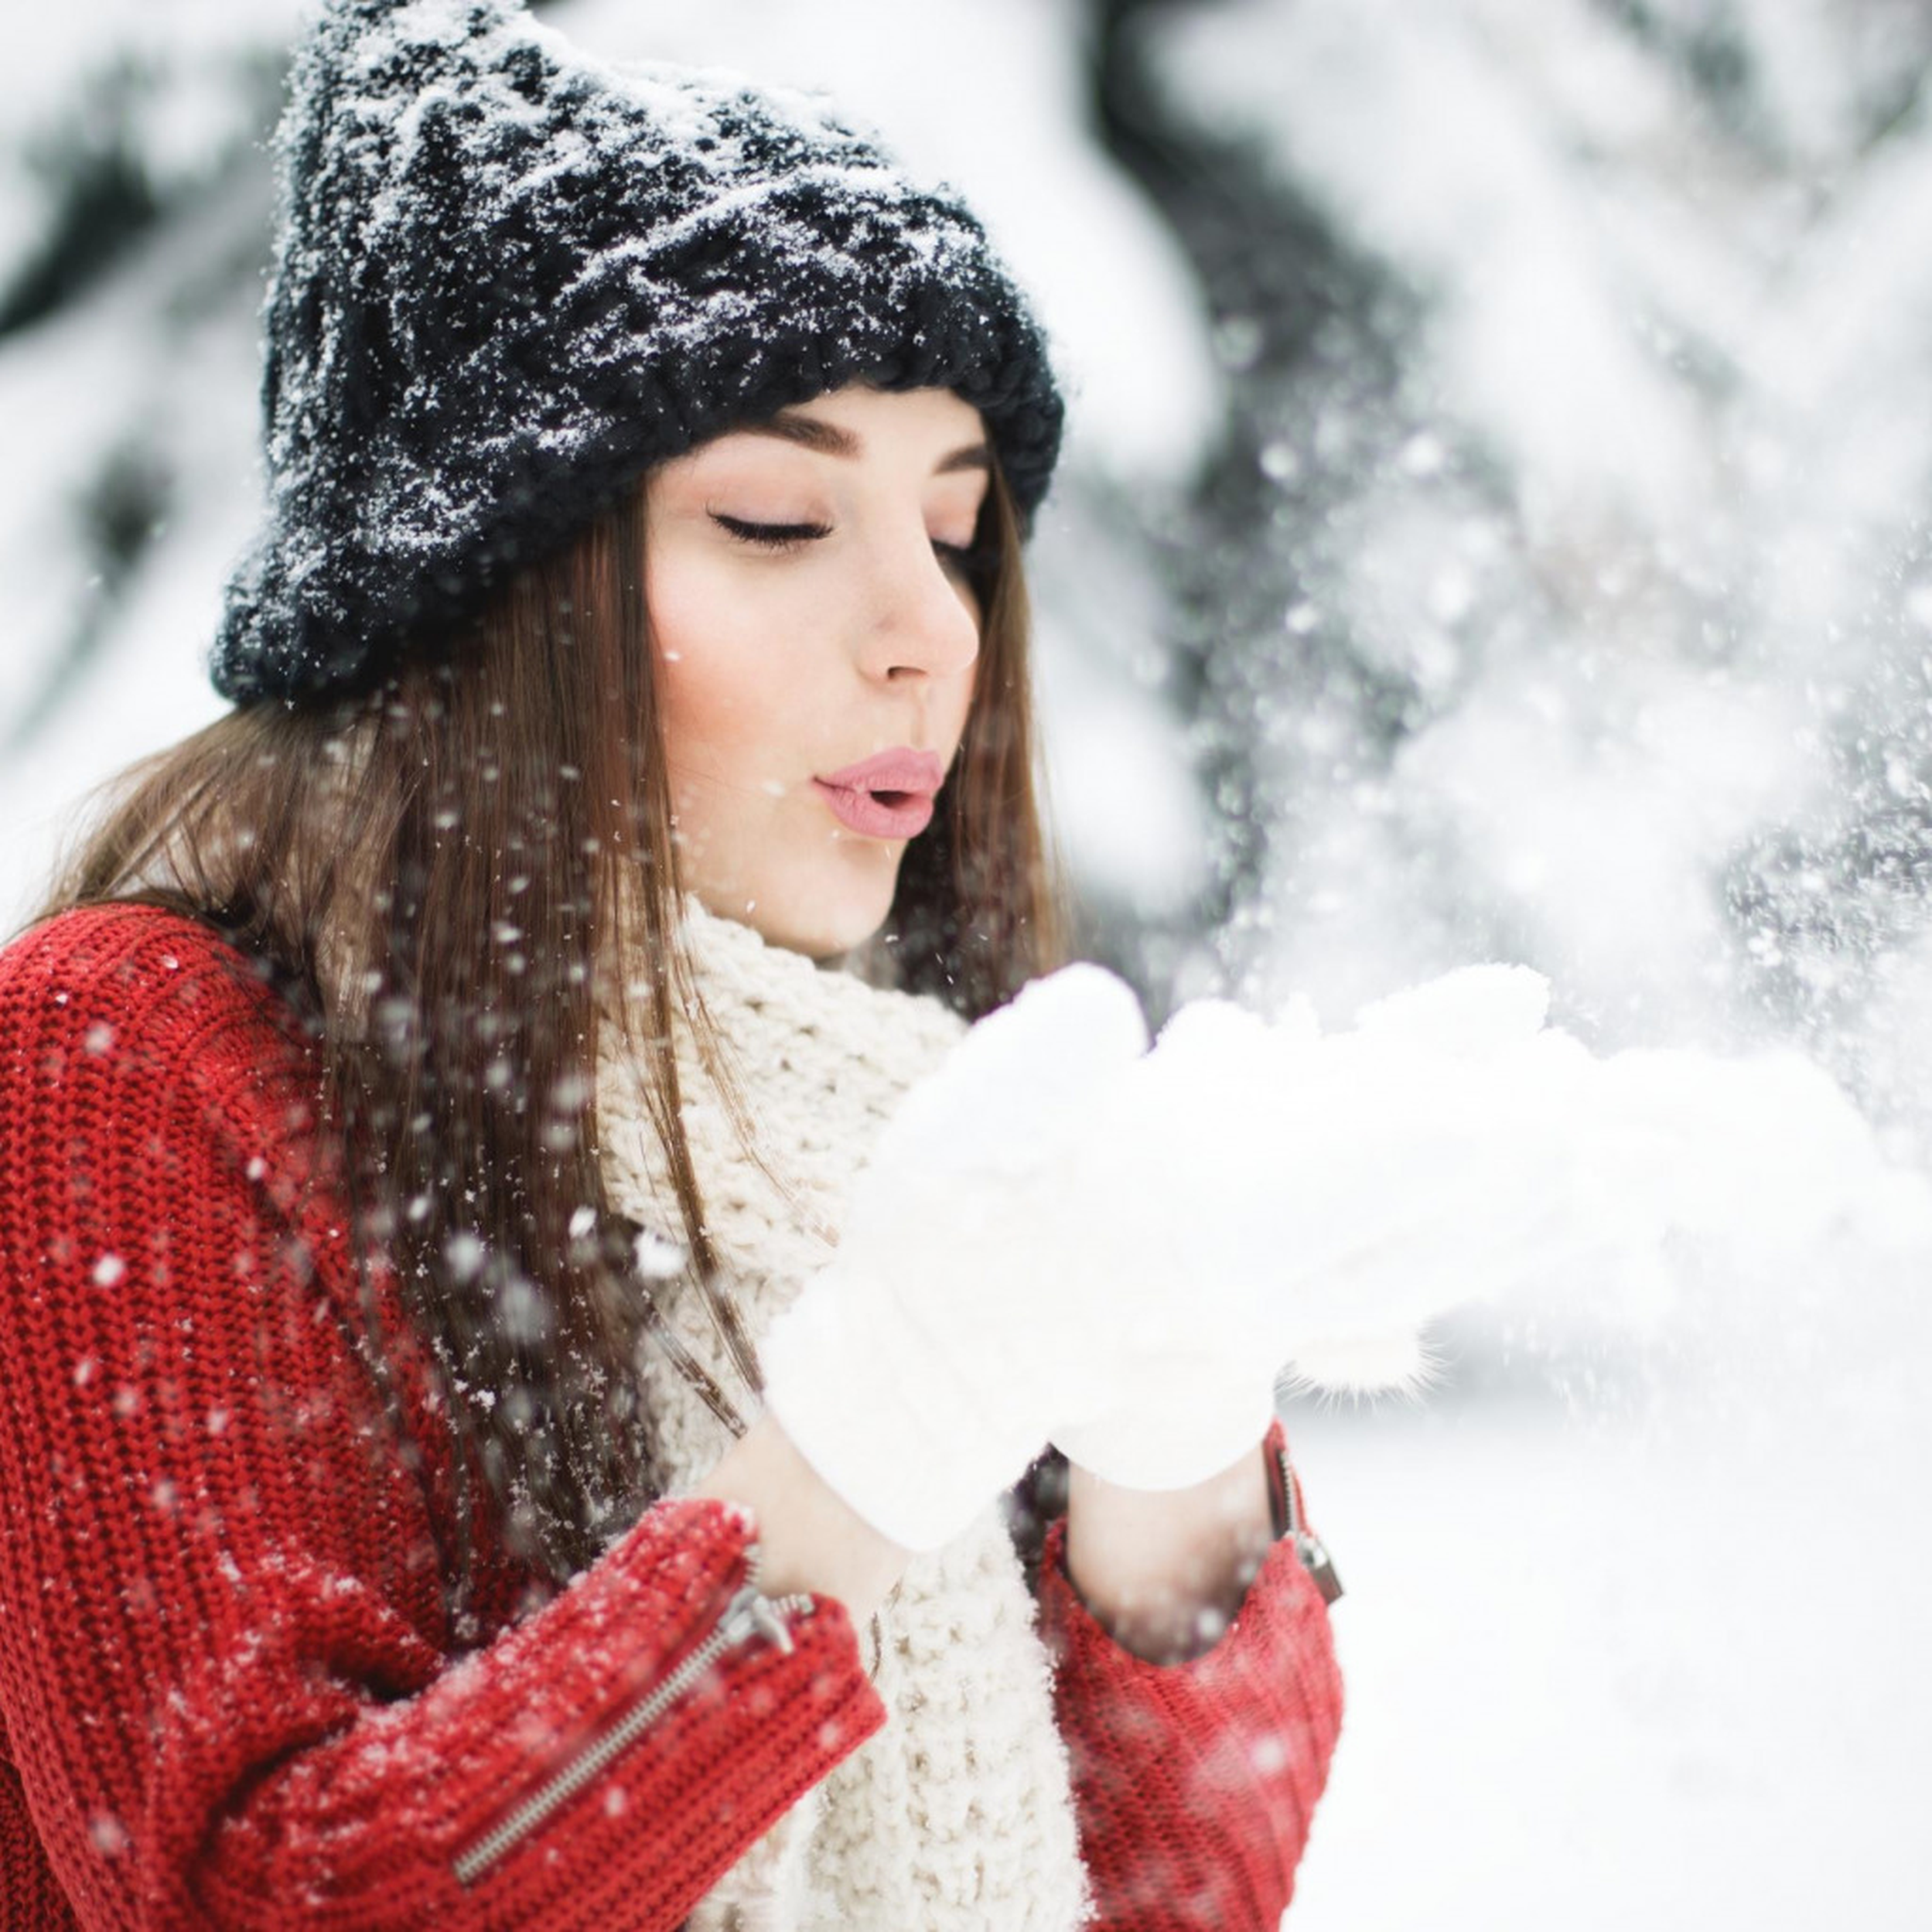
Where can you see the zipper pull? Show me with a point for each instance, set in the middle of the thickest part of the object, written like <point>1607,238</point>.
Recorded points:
<point>1315,1559</point>
<point>751,1613</point>
<point>1288,1522</point>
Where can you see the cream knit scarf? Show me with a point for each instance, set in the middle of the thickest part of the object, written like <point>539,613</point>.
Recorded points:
<point>958,1814</point>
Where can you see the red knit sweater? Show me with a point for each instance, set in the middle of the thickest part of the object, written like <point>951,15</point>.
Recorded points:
<point>230,1694</point>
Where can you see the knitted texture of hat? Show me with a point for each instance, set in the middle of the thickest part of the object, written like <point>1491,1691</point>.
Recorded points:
<point>508,278</point>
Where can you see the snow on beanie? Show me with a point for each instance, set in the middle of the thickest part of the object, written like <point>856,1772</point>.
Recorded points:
<point>508,278</point>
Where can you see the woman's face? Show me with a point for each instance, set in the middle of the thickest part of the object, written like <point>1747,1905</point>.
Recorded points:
<point>816,640</point>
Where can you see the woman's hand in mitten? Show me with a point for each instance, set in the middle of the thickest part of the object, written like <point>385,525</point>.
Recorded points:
<point>922,1370</point>
<point>1341,1191</point>
<point>1247,1189</point>
<point>1192,1391</point>
<point>1330,1189</point>
<point>1182,1412</point>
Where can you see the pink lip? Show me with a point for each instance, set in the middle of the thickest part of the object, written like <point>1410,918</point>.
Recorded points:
<point>888,796</point>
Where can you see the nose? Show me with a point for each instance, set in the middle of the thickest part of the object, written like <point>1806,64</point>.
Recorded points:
<point>920,621</point>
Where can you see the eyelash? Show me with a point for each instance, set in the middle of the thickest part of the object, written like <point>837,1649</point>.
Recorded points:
<point>784,536</point>
<point>770,536</point>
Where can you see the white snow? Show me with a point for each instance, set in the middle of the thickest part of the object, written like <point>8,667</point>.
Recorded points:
<point>1348,1185</point>
<point>1635,1599</point>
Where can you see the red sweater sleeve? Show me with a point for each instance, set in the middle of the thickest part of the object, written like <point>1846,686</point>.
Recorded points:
<point>231,1692</point>
<point>1195,1782</point>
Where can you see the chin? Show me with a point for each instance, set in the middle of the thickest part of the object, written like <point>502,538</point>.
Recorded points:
<point>832,913</point>
<point>841,926</point>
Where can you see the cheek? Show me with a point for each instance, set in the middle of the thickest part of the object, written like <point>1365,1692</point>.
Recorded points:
<point>953,705</point>
<point>713,649</point>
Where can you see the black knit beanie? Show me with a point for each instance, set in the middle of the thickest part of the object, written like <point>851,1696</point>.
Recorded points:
<point>508,278</point>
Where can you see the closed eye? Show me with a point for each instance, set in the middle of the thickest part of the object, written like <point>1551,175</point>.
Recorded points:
<point>964,557</point>
<point>770,536</point>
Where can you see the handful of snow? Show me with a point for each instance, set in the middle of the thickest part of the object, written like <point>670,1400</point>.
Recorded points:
<point>1292,1196</point>
<point>1064,1235</point>
<point>1453,1148</point>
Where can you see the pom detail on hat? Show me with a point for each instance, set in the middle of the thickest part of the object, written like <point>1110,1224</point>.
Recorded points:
<point>509,278</point>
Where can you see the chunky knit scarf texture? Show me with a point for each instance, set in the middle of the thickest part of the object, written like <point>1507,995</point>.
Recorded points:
<point>958,1814</point>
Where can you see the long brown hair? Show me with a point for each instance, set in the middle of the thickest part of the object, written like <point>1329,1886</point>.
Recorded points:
<point>443,871</point>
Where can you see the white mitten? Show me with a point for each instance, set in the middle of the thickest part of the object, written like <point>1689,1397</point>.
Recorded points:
<point>1064,1236</point>
<point>1333,1194</point>
<point>1346,1190</point>
<point>1328,1194</point>
<point>1184,1414</point>
<point>1288,1192</point>
<point>923,1369</point>
<point>1192,1398</point>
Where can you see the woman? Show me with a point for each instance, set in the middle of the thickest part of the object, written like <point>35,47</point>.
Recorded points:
<point>448,1478</point>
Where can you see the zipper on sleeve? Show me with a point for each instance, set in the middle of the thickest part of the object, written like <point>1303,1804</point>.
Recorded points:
<point>1307,1546</point>
<point>749,1616</point>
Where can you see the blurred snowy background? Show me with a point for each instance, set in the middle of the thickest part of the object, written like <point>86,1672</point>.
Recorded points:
<point>1495,525</point>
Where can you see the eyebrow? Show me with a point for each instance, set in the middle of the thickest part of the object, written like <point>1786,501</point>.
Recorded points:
<point>828,439</point>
